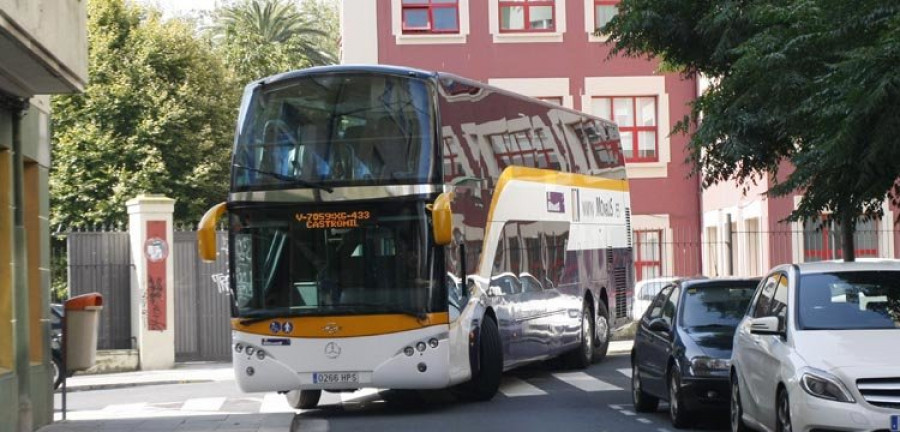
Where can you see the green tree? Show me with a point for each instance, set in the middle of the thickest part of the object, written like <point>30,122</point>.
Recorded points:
<point>811,83</point>
<point>157,117</point>
<point>258,38</point>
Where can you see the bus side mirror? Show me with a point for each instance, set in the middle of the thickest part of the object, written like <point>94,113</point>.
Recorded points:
<point>442,219</point>
<point>206,232</point>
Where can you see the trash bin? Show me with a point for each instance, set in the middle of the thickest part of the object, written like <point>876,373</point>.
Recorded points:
<point>82,326</point>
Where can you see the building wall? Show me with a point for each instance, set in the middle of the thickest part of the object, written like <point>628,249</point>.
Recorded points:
<point>44,47</point>
<point>569,64</point>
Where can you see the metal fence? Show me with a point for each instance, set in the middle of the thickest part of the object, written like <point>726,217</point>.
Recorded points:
<point>99,260</point>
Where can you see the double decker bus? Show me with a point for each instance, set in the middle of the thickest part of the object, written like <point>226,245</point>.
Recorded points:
<point>395,228</point>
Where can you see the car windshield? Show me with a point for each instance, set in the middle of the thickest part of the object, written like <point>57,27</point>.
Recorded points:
<point>718,305</point>
<point>849,300</point>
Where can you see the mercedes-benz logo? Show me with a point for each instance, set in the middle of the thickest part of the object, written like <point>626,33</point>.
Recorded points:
<point>332,350</point>
<point>331,328</point>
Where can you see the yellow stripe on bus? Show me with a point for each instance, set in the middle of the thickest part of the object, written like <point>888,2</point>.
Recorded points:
<point>342,326</point>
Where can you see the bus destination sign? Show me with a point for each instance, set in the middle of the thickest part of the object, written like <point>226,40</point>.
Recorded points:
<point>320,220</point>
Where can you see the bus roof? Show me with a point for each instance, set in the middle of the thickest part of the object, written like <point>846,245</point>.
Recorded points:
<point>408,72</point>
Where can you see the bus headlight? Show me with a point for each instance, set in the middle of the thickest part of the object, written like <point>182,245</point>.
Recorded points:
<point>433,342</point>
<point>249,350</point>
<point>420,346</point>
<point>260,354</point>
<point>238,348</point>
<point>409,351</point>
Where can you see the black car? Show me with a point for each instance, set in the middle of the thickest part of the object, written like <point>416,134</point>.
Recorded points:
<point>682,348</point>
<point>56,316</point>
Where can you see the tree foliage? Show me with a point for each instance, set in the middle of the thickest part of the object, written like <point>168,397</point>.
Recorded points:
<point>810,83</point>
<point>155,118</point>
<point>258,38</point>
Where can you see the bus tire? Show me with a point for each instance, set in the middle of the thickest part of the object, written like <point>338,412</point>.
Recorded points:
<point>582,356</point>
<point>486,381</point>
<point>603,332</point>
<point>303,399</point>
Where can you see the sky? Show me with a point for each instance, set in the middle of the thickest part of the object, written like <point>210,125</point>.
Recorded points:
<point>179,7</point>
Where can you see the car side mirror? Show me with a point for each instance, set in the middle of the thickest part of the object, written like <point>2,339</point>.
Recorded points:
<point>659,325</point>
<point>769,326</point>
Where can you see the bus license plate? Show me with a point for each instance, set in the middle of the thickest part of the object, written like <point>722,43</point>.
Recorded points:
<point>335,377</point>
<point>895,423</point>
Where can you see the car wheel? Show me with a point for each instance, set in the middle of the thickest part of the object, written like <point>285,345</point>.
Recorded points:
<point>678,412</point>
<point>783,413</point>
<point>56,372</point>
<point>485,383</point>
<point>583,356</point>
<point>737,409</point>
<point>642,401</point>
<point>303,399</point>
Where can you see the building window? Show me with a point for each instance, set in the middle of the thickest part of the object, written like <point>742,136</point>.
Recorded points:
<point>430,16</point>
<point>604,11</point>
<point>527,16</point>
<point>648,251</point>
<point>823,240</point>
<point>636,118</point>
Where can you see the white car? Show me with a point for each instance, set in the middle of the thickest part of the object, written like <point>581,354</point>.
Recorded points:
<point>644,293</point>
<point>819,350</point>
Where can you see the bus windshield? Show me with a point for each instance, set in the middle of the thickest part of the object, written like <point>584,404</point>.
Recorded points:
<point>333,260</point>
<point>336,130</point>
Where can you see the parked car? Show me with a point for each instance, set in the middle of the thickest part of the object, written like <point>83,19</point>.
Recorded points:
<point>644,293</point>
<point>819,349</point>
<point>56,316</point>
<point>682,347</point>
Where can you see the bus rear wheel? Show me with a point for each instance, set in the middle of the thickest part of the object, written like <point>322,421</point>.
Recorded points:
<point>603,331</point>
<point>486,381</point>
<point>303,399</point>
<point>582,356</point>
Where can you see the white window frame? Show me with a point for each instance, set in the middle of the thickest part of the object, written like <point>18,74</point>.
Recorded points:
<point>590,23</point>
<point>429,38</point>
<point>595,87</point>
<point>556,36</point>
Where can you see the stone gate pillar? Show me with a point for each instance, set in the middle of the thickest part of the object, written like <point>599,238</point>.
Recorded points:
<point>152,305</point>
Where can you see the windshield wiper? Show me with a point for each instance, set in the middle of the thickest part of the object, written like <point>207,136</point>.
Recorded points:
<point>286,178</point>
<point>263,316</point>
<point>418,314</point>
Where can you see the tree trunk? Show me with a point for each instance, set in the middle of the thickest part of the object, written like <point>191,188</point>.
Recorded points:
<point>848,228</point>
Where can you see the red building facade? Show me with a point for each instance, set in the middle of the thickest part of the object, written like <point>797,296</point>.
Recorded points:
<point>547,49</point>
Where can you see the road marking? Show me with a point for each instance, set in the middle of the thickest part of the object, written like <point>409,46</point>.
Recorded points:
<point>274,403</point>
<point>643,420</point>
<point>585,382</point>
<point>616,407</point>
<point>625,371</point>
<point>514,387</point>
<point>663,430</point>
<point>203,404</point>
<point>627,412</point>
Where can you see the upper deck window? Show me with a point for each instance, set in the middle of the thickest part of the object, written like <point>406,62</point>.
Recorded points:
<point>336,130</point>
<point>527,16</point>
<point>430,16</point>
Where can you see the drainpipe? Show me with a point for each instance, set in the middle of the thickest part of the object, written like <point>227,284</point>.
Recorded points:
<point>18,106</point>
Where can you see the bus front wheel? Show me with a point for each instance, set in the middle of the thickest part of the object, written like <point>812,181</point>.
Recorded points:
<point>486,381</point>
<point>303,399</point>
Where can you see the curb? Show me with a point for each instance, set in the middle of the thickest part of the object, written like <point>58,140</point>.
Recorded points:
<point>111,386</point>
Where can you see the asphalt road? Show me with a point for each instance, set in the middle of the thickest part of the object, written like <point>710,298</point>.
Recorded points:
<point>543,397</point>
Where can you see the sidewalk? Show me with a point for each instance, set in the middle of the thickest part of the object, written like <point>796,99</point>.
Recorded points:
<point>182,373</point>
